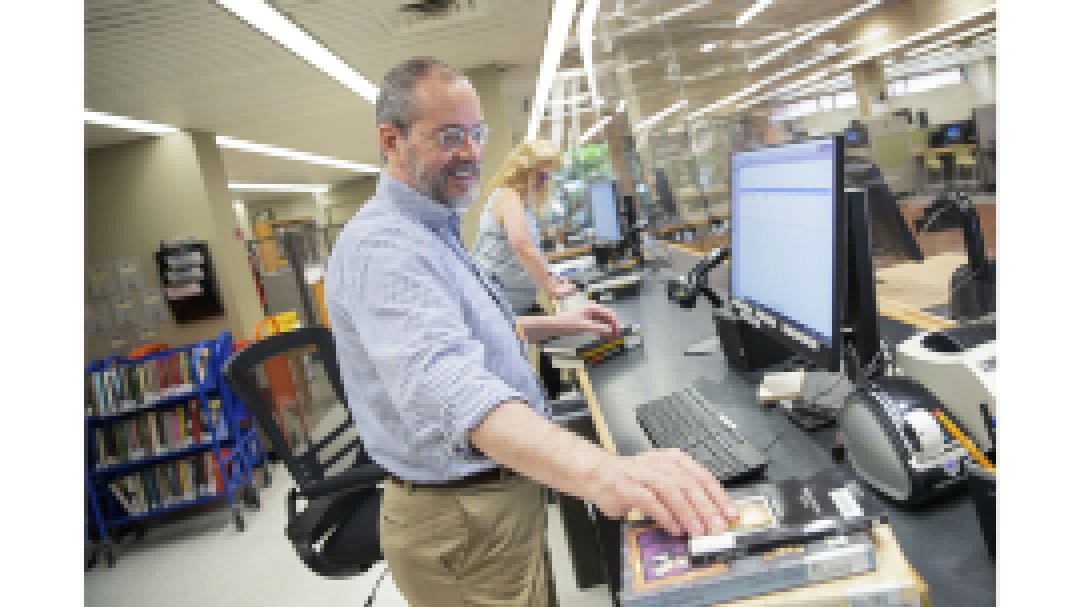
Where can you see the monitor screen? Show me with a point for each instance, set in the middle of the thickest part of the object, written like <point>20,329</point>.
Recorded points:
<point>852,135</point>
<point>604,211</point>
<point>785,205</point>
<point>953,132</point>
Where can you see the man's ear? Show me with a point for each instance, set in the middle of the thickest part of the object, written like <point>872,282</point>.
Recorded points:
<point>389,139</point>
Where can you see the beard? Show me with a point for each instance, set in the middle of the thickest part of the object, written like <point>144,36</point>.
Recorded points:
<point>435,183</point>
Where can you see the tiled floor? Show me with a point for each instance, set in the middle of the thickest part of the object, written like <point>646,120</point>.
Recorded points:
<point>201,560</point>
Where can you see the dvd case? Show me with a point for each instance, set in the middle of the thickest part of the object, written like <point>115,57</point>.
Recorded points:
<point>658,570</point>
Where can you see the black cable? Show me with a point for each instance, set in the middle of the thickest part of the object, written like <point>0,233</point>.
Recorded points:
<point>375,587</point>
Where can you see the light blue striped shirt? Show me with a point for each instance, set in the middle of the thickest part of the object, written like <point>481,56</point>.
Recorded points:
<point>425,341</point>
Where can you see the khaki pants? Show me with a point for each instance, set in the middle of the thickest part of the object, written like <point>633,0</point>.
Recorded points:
<point>483,545</point>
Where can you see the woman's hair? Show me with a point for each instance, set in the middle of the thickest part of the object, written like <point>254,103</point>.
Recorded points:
<point>518,166</point>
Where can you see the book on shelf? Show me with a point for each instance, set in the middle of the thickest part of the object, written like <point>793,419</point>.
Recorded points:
<point>658,569</point>
<point>194,416</point>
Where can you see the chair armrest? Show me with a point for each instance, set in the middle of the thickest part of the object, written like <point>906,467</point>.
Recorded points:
<point>366,475</point>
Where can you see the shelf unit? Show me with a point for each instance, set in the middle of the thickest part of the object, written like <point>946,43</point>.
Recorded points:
<point>164,433</point>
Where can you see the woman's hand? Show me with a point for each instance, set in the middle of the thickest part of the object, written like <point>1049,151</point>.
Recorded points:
<point>559,287</point>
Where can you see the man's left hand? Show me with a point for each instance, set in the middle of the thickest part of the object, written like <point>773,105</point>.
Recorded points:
<point>592,318</point>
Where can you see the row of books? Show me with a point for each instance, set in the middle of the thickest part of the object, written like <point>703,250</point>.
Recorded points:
<point>136,385</point>
<point>168,483</point>
<point>158,432</point>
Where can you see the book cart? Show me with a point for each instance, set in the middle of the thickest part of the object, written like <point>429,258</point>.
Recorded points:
<point>164,433</point>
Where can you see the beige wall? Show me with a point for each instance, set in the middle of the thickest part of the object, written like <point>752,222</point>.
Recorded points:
<point>140,193</point>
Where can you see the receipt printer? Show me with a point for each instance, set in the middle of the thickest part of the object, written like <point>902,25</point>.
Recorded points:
<point>894,443</point>
<point>958,365</point>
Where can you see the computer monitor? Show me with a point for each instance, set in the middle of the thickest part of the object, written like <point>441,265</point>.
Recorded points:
<point>856,135</point>
<point>787,239</point>
<point>605,212</point>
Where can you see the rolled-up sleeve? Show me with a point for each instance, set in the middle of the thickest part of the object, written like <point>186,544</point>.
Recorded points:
<point>410,319</point>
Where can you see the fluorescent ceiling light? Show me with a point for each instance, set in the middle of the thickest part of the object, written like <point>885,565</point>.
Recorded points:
<point>846,65</point>
<point>828,25</point>
<point>558,29</point>
<point>951,39</point>
<point>708,47</point>
<point>585,28</point>
<point>757,86</point>
<point>594,129</point>
<point>266,19</point>
<point>657,117</point>
<point>270,150</point>
<point>751,12</point>
<point>128,124</point>
<point>143,126</point>
<point>676,12</point>
<point>312,188</point>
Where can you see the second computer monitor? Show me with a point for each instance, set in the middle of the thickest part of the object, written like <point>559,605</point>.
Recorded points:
<point>787,238</point>
<point>605,212</point>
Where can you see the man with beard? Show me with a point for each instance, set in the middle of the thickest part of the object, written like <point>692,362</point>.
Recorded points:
<point>440,389</point>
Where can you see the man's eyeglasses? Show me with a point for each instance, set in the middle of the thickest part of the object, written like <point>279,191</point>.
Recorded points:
<point>452,137</point>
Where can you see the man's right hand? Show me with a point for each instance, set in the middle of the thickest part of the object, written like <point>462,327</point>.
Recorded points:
<point>667,485</point>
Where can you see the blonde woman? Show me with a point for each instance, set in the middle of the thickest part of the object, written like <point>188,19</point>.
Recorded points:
<point>507,243</point>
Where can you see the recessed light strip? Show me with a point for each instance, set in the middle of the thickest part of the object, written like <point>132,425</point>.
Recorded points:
<point>817,31</point>
<point>266,19</point>
<point>594,129</point>
<point>270,150</point>
<point>676,12</point>
<point>752,12</point>
<point>951,39</point>
<point>757,86</point>
<point>585,36</point>
<point>558,29</point>
<point>657,117</point>
<point>143,126</point>
<point>129,124</point>
<point>846,65</point>
<point>313,188</point>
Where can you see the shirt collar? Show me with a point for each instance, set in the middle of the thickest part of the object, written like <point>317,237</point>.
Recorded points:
<point>414,204</point>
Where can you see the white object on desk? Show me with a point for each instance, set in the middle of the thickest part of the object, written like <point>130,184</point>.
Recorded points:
<point>783,385</point>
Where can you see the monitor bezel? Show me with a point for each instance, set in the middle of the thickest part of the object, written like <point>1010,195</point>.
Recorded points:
<point>826,355</point>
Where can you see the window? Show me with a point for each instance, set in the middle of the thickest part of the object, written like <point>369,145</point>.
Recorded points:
<point>926,82</point>
<point>846,99</point>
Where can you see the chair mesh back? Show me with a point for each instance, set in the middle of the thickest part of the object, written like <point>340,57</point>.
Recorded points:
<point>291,383</point>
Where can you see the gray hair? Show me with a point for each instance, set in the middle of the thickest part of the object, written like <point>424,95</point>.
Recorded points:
<point>396,103</point>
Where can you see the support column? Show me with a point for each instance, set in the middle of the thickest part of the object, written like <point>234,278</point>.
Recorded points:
<point>983,78</point>
<point>870,87</point>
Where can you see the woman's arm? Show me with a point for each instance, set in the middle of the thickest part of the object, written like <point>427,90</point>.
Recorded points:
<point>510,213</point>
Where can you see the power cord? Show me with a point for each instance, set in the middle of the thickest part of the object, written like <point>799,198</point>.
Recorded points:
<point>375,587</point>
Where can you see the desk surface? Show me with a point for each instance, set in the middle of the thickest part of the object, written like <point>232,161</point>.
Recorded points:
<point>942,542</point>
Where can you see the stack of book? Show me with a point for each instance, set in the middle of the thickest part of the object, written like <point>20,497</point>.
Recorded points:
<point>660,569</point>
<point>167,484</point>
<point>143,383</point>
<point>577,351</point>
<point>158,432</point>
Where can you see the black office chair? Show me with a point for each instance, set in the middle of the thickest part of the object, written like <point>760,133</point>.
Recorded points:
<point>292,384</point>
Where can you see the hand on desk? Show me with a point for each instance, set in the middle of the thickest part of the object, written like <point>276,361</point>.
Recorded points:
<point>667,485</point>
<point>589,318</point>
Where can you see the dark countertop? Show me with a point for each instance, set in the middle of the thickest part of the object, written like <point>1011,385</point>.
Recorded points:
<point>942,541</point>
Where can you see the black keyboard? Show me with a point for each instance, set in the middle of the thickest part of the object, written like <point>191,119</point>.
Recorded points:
<point>684,420</point>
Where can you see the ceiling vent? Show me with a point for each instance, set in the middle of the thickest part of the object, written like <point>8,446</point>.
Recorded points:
<point>422,15</point>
